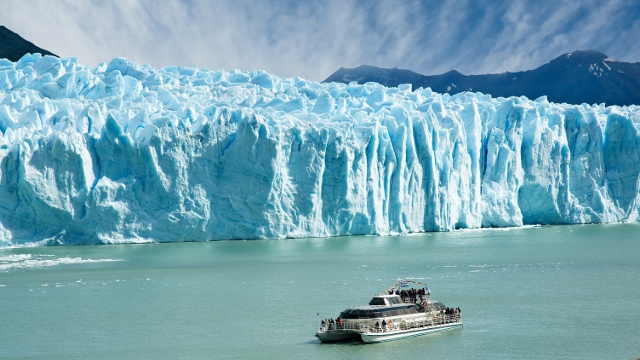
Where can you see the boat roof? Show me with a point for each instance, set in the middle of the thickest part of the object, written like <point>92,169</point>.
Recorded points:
<point>373,307</point>
<point>398,306</point>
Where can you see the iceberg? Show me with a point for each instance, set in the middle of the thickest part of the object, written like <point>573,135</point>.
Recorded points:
<point>123,152</point>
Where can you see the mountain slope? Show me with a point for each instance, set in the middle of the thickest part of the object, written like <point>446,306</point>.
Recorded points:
<point>13,46</point>
<point>579,77</point>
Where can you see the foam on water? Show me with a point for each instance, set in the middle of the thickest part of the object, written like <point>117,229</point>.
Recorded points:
<point>500,229</point>
<point>31,261</point>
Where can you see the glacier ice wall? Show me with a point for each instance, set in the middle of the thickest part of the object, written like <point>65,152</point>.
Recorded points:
<point>128,153</point>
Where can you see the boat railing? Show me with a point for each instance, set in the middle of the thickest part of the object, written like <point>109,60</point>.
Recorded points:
<point>417,300</point>
<point>437,320</point>
<point>398,325</point>
<point>346,325</point>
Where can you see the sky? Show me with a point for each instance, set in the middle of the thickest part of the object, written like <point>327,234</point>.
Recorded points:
<point>312,39</point>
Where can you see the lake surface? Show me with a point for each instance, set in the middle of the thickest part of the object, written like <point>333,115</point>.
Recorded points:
<point>556,292</point>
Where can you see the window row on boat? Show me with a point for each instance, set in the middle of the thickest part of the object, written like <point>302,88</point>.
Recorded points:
<point>378,313</point>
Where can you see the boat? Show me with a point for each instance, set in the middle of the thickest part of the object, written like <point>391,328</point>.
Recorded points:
<point>394,314</point>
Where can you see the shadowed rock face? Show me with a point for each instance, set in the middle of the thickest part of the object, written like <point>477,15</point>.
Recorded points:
<point>579,77</point>
<point>129,153</point>
<point>13,46</point>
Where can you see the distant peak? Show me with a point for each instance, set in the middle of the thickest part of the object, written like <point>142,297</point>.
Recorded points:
<point>590,53</point>
<point>584,55</point>
<point>13,46</point>
<point>367,67</point>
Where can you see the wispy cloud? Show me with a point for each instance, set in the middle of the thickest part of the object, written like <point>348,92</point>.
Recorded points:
<point>314,38</point>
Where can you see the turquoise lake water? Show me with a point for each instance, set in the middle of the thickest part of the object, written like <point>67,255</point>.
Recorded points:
<point>556,292</point>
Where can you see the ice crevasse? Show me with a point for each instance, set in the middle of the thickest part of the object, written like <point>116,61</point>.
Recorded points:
<point>124,152</point>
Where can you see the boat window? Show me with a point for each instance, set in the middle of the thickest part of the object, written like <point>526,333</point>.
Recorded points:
<point>345,314</point>
<point>394,312</point>
<point>395,300</point>
<point>404,310</point>
<point>377,301</point>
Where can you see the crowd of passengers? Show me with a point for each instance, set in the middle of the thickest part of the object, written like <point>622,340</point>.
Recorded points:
<point>330,324</point>
<point>455,312</point>
<point>411,295</point>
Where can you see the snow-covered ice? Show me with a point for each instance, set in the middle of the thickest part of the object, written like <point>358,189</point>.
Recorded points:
<point>125,152</point>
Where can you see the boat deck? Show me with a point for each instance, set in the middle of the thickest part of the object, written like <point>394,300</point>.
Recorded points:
<point>394,329</point>
<point>410,329</point>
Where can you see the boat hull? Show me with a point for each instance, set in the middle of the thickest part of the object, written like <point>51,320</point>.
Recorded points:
<point>374,337</point>
<point>337,335</point>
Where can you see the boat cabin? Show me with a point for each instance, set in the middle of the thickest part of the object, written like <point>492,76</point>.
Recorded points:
<point>392,309</point>
<point>386,300</point>
<point>401,309</point>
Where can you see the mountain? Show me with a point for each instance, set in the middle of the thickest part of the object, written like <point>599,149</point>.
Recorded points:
<point>121,154</point>
<point>13,46</point>
<point>579,77</point>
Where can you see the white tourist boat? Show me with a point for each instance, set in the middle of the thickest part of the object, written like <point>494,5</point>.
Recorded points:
<point>393,315</point>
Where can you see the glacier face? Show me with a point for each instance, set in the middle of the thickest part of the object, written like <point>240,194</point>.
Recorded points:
<point>128,153</point>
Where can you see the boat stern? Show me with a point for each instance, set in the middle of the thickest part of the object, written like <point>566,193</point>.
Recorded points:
<point>336,335</point>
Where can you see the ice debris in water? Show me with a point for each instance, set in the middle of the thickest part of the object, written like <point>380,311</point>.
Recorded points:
<point>127,153</point>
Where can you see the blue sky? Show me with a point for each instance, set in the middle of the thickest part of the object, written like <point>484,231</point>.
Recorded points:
<point>312,39</point>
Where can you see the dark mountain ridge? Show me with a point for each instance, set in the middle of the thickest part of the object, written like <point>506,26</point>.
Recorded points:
<point>579,77</point>
<point>13,46</point>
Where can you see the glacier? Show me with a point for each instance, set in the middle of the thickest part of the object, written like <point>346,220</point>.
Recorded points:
<point>124,152</point>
